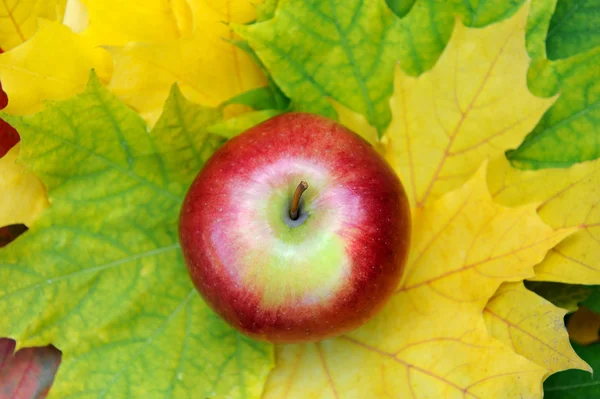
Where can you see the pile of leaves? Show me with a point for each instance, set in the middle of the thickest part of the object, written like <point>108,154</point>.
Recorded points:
<point>489,114</point>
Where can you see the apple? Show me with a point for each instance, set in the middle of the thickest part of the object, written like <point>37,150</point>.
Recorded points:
<point>296,230</point>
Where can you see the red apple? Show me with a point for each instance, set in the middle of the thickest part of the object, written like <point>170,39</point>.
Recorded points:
<point>282,278</point>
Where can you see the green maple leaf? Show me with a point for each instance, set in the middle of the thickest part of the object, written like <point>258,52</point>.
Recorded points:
<point>566,296</point>
<point>569,132</point>
<point>576,384</point>
<point>573,28</point>
<point>308,45</point>
<point>101,275</point>
<point>400,7</point>
<point>426,28</point>
<point>346,51</point>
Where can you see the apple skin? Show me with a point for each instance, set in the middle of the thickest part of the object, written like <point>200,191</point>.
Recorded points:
<point>282,281</point>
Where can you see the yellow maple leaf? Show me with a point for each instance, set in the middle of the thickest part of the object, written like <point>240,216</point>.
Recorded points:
<point>577,259</point>
<point>150,21</point>
<point>19,19</point>
<point>450,119</point>
<point>431,338</point>
<point>532,326</point>
<point>358,124</point>
<point>212,16</point>
<point>27,197</point>
<point>208,68</point>
<point>53,65</point>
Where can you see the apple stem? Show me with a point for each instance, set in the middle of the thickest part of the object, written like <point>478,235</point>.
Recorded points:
<point>296,200</point>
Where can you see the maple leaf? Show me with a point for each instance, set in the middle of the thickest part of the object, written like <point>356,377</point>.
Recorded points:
<point>427,27</point>
<point>27,373</point>
<point>449,120</point>
<point>116,23</point>
<point>23,195</point>
<point>573,384</point>
<point>577,259</point>
<point>307,44</point>
<point>53,65</point>
<point>100,274</point>
<point>532,326</point>
<point>20,19</point>
<point>573,29</point>
<point>564,296</point>
<point>574,260</point>
<point>207,66</point>
<point>568,133</point>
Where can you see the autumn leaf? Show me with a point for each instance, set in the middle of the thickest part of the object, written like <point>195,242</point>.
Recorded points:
<point>100,274</point>
<point>532,326</point>
<point>266,10</point>
<point>8,137</point>
<point>153,45</point>
<point>23,195</point>
<point>28,373</point>
<point>574,384</point>
<point>19,19</point>
<point>577,259</point>
<point>426,29</point>
<point>208,68</point>
<point>236,125</point>
<point>53,65</point>
<point>568,133</point>
<point>9,233</point>
<point>358,124</point>
<point>573,28</point>
<point>474,104</point>
<point>150,21</point>
<point>564,296</point>
<point>430,340</point>
<point>307,44</point>
<point>574,260</point>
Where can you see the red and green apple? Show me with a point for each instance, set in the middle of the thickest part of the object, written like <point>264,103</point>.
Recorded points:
<point>296,230</point>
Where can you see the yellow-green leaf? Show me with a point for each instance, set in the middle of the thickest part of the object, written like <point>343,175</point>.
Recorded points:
<point>474,104</point>
<point>101,275</point>
<point>566,198</point>
<point>19,19</point>
<point>342,50</point>
<point>53,65</point>
<point>533,327</point>
<point>431,340</point>
<point>23,196</point>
